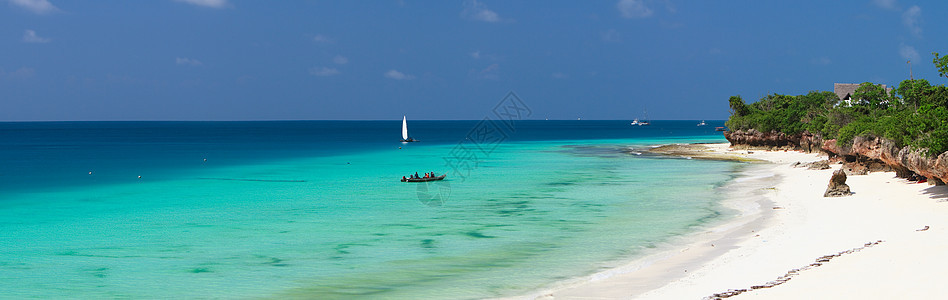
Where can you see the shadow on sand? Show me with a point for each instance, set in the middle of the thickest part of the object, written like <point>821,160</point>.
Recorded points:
<point>938,192</point>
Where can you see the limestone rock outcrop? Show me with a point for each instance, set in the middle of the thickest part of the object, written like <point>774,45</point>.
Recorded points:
<point>754,138</point>
<point>837,186</point>
<point>818,165</point>
<point>864,154</point>
<point>855,168</point>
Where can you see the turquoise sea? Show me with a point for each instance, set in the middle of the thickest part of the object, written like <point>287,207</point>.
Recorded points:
<point>315,209</point>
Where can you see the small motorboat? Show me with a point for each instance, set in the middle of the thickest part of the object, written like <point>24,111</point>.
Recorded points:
<point>424,179</point>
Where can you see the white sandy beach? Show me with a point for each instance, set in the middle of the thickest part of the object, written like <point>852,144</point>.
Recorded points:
<point>793,227</point>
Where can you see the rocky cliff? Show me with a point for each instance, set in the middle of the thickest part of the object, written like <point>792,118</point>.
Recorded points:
<point>756,139</point>
<point>863,155</point>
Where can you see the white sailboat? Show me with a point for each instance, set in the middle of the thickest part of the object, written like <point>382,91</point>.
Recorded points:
<point>405,138</point>
<point>702,123</point>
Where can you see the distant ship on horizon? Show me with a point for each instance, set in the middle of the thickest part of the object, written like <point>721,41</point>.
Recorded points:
<point>646,122</point>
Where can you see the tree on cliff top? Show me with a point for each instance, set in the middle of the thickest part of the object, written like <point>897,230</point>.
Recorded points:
<point>781,113</point>
<point>941,63</point>
<point>738,108</point>
<point>873,95</point>
<point>913,91</point>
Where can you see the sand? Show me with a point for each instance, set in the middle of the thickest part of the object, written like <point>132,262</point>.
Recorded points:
<point>887,240</point>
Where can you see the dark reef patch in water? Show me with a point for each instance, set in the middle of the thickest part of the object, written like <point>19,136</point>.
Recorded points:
<point>478,235</point>
<point>601,151</point>
<point>98,272</point>
<point>496,225</point>
<point>276,262</point>
<point>343,248</point>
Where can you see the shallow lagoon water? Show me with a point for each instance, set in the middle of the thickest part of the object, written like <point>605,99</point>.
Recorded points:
<point>315,209</point>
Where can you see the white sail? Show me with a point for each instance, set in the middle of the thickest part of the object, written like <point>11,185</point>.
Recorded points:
<point>404,128</point>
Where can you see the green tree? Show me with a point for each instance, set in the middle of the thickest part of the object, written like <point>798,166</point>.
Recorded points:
<point>937,96</point>
<point>913,91</point>
<point>941,63</point>
<point>738,107</point>
<point>931,126</point>
<point>872,95</point>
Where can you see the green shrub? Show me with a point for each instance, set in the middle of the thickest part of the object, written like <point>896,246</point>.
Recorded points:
<point>852,130</point>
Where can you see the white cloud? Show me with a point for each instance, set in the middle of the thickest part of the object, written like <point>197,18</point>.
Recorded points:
<point>911,19</point>
<point>207,3</point>
<point>490,72</point>
<point>611,36</point>
<point>393,74</point>
<point>30,36</point>
<point>340,60</point>
<point>908,52</point>
<point>821,61</point>
<point>478,54</point>
<point>187,61</point>
<point>477,11</point>
<point>887,4</point>
<point>21,73</point>
<point>323,71</point>
<point>40,7</point>
<point>633,9</point>
<point>322,39</point>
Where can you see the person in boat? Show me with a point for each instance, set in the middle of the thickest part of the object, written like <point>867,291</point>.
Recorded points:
<point>416,175</point>
<point>404,179</point>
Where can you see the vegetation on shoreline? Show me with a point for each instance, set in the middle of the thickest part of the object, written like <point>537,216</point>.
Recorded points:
<point>913,114</point>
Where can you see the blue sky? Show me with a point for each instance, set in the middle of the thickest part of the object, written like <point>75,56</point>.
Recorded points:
<point>308,60</point>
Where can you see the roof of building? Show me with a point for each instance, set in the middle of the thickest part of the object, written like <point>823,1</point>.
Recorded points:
<point>844,90</point>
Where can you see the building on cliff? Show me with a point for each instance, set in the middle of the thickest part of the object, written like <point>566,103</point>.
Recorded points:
<point>845,93</point>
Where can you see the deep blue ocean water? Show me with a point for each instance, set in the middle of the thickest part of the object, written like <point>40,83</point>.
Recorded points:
<point>314,209</point>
